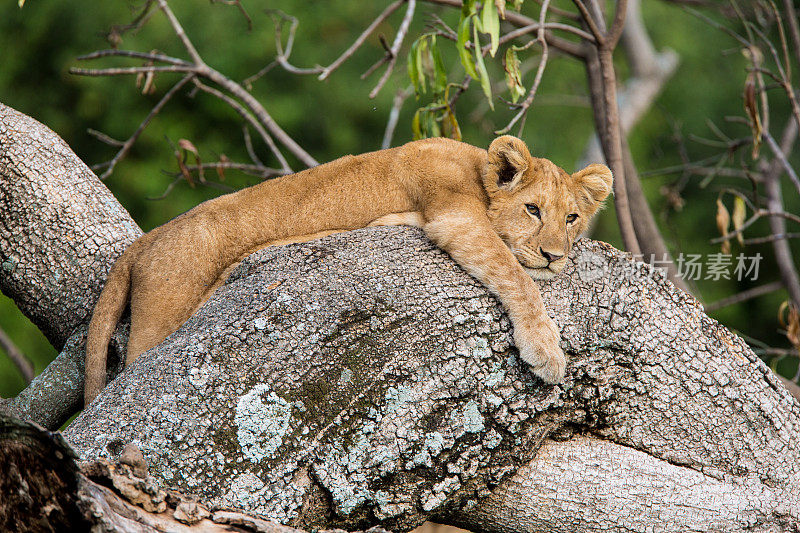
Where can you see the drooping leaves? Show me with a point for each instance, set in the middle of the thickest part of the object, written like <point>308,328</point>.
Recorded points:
<point>789,319</point>
<point>461,45</point>
<point>490,22</point>
<point>751,108</point>
<point>486,83</point>
<point>186,146</point>
<point>723,223</point>
<point>738,216</point>
<point>513,75</point>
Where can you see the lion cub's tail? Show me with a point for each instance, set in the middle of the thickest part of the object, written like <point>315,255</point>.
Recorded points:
<point>106,314</point>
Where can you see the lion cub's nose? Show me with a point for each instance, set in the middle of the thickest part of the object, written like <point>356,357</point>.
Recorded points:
<point>550,256</point>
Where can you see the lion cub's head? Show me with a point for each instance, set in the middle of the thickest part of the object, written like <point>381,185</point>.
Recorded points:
<point>536,207</point>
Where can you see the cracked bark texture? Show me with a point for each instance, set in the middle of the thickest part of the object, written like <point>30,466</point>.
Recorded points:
<point>365,379</point>
<point>58,227</point>
<point>60,232</point>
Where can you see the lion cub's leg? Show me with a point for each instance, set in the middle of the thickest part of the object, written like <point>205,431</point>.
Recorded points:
<point>407,218</point>
<point>462,229</point>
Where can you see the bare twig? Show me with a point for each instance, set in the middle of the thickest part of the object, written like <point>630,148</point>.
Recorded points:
<point>250,120</point>
<point>282,56</point>
<point>530,28</point>
<point>248,144</point>
<point>589,19</point>
<point>561,12</point>
<point>201,70</point>
<point>126,146</point>
<point>794,30</point>
<point>102,137</point>
<point>771,238</point>
<point>241,9</point>
<point>783,252</point>
<point>115,35</point>
<point>399,97</point>
<point>176,26</point>
<point>773,145</point>
<point>743,296</point>
<point>391,8</point>
<point>22,363</point>
<point>253,170</point>
<point>151,56</point>
<point>237,90</point>
<point>125,71</point>
<point>526,104</point>
<point>395,49</point>
<point>248,82</point>
<point>618,24</point>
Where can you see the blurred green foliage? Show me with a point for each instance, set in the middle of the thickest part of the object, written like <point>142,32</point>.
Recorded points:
<point>42,40</point>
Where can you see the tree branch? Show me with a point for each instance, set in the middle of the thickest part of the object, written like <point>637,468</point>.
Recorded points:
<point>126,146</point>
<point>19,359</point>
<point>341,400</point>
<point>395,49</point>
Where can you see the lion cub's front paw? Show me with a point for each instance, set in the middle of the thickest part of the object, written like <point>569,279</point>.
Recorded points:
<point>537,342</point>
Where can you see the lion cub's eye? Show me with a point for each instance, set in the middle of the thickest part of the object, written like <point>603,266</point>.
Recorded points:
<point>572,218</point>
<point>533,210</point>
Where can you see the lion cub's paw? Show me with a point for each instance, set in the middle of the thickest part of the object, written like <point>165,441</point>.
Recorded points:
<point>537,342</point>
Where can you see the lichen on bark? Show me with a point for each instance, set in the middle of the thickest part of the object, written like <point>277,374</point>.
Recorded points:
<point>364,378</point>
<point>398,393</point>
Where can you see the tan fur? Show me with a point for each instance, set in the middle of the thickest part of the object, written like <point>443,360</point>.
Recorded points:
<point>470,202</point>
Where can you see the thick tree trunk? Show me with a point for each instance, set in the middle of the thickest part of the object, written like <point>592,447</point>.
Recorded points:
<point>60,232</point>
<point>365,379</point>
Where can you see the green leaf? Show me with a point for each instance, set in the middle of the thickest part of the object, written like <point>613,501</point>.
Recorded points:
<point>738,216</point>
<point>468,8</point>
<point>422,56</point>
<point>432,125</point>
<point>490,23</point>
<point>439,72</point>
<point>450,125</point>
<point>486,83</point>
<point>513,76</point>
<point>413,68</point>
<point>461,45</point>
<point>415,126</point>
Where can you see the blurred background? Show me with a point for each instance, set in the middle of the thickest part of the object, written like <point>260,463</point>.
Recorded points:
<point>685,123</point>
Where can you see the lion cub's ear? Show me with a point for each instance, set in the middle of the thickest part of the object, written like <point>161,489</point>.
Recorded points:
<point>508,160</point>
<point>594,185</point>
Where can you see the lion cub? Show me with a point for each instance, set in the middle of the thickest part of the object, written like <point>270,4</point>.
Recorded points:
<point>504,216</point>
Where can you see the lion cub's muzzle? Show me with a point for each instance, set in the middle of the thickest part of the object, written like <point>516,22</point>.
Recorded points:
<point>541,264</point>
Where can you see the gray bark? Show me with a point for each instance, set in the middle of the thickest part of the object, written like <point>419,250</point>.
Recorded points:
<point>57,227</point>
<point>365,379</point>
<point>60,232</point>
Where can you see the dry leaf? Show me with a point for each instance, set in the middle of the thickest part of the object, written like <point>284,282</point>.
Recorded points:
<point>183,168</point>
<point>738,216</point>
<point>188,146</point>
<point>149,87</point>
<point>791,324</point>
<point>723,223</point>
<point>751,108</point>
<point>220,170</point>
<point>501,8</point>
